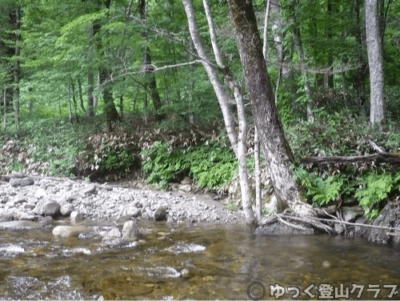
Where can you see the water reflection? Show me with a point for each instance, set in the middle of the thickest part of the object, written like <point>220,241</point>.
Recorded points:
<point>186,262</point>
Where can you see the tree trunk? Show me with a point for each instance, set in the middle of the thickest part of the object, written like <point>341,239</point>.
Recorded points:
<point>80,95</point>
<point>74,100</point>
<point>265,34</point>
<point>374,49</point>
<point>90,77</point>
<point>257,173</point>
<point>151,78</point>
<point>360,75</point>
<point>17,68</point>
<point>275,147</point>
<point>69,103</point>
<point>223,99</point>
<point>104,75</point>
<point>241,139</point>
<point>307,89</point>
<point>5,108</point>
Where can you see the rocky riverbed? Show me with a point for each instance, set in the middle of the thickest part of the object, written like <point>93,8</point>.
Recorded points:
<point>34,202</point>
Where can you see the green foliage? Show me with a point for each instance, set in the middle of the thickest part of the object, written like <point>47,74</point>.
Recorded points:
<point>114,159</point>
<point>375,188</point>
<point>210,164</point>
<point>232,206</point>
<point>321,191</point>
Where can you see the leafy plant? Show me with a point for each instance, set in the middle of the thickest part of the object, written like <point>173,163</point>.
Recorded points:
<point>321,191</point>
<point>114,159</point>
<point>375,188</point>
<point>211,165</point>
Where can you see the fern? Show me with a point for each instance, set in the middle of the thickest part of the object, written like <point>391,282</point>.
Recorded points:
<point>375,189</point>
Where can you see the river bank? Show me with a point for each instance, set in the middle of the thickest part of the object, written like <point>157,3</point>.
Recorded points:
<point>30,199</point>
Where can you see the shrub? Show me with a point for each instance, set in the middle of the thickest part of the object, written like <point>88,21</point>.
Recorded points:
<point>211,165</point>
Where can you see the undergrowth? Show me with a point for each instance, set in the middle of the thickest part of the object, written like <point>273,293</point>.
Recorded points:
<point>211,165</point>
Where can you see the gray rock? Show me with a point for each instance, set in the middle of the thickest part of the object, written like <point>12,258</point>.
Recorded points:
<point>90,190</point>
<point>88,235</point>
<point>351,213</point>
<point>119,243</point>
<point>68,231</point>
<point>130,231</point>
<point>40,193</point>
<point>386,218</point>
<point>113,233</point>
<point>121,220</point>
<point>4,199</point>
<point>160,213</point>
<point>6,217</point>
<point>185,273</point>
<point>19,225</point>
<point>137,204</point>
<point>71,198</point>
<point>15,174</point>
<point>66,209</point>
<point>185,188</point>
<point>40,206</point>
<point>186,181</point>
<point>18,182</point>
<point>133,212</point>
<point>19,199</point>
<point>278,228</point>
<point>28,217</point>
<point>51,209</point>
<point>45,221</point>
<point>75,216</point>
<point>29,206</point>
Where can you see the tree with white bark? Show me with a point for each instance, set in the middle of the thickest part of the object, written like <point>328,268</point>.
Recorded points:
<point>238,140</point>
<point>375,61</point>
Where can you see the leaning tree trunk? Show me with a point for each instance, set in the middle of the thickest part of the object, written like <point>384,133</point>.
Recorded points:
<point>238,143</point>
<point>275,147</point>
<point>374,49</point>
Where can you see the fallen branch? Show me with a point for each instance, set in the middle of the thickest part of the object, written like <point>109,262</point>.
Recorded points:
<point>377,158</point>
<point>343,222</point>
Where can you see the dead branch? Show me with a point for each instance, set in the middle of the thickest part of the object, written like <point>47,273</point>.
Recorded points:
<point>377,158</point>
<point>343,222</point>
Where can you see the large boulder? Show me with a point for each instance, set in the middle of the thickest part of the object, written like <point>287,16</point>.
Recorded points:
<point>21,182</point>
<point>160,213</point>
<point>130,231</point>
<point>39,208</point>
<point>51,209</point>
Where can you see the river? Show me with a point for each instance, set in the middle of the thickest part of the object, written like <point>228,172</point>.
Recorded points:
<point>194,261</point>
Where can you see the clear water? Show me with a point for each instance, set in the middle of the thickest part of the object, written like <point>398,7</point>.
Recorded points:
<point>222,262</point>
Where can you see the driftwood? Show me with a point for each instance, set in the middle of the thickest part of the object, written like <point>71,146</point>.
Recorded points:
<point>379,157</point>
<point>342,222</point>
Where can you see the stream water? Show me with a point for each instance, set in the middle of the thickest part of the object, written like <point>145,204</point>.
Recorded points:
<point>222,262</point>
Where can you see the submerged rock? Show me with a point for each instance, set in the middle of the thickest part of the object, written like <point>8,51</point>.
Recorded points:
<point>19,225</point>
<point>130,231</point>
<point>68,231</point>
<point>278,228</point>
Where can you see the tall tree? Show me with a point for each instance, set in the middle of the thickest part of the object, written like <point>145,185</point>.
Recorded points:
<point>151,82</point>
<point>374,48</point>
<point>238,141</point>
<point>275,147</point>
